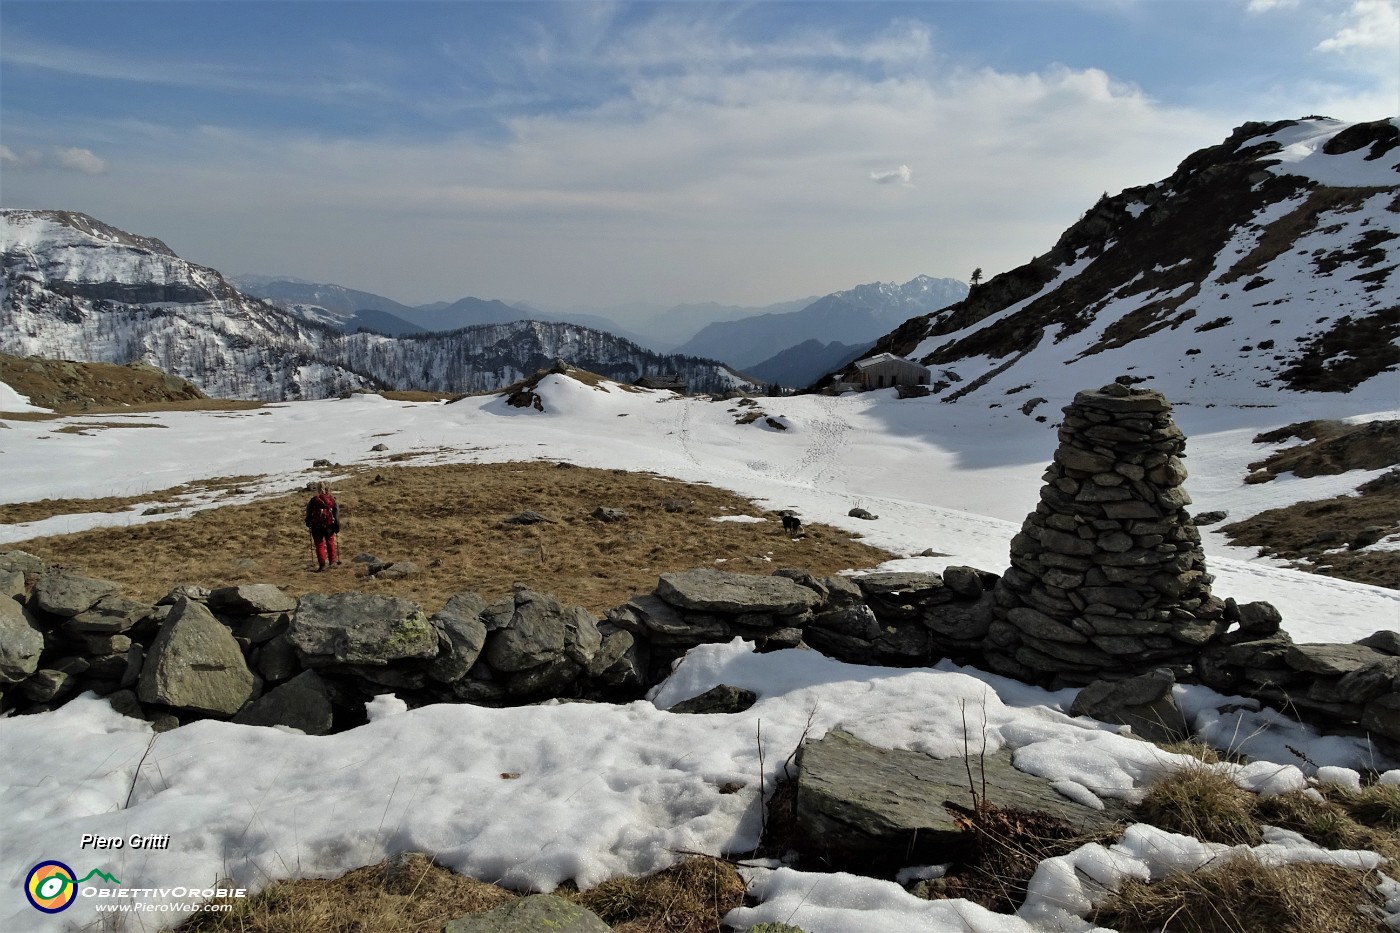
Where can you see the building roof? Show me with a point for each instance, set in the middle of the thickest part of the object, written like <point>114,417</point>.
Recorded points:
<point>884,358</point>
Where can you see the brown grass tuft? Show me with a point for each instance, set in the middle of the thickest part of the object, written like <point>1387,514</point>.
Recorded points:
<point>1344,819</point>
<point>1008,845</point>
<point>405,895</point>
<point>1200,801</point>
<point>412,894</point>
<point>691,897</point>
<point>1376,805</point>
<point>1244,896</point>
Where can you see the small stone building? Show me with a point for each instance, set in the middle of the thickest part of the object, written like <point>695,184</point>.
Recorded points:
<point>671,381</point>
<point>885,369</point>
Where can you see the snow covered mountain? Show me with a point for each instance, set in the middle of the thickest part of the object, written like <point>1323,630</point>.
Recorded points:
<point>1262,269</point>
<point>855,316</point>
<point>76,288</point>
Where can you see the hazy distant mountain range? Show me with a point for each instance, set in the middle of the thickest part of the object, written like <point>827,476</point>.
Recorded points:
<point>795,334</point>
<point>76,288</point>
<point>1263,265</point>
<point>855,317</point>
<point>351,310</point>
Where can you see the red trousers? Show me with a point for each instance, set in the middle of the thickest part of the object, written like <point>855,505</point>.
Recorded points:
<point>324,542</point>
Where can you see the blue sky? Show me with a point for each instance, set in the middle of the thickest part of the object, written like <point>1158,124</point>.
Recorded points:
<point>593,154</point>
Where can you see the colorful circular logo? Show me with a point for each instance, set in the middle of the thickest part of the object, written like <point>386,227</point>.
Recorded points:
<point>51,887</point>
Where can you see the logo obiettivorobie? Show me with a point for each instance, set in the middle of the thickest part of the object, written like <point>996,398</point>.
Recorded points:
<point>52,886</point>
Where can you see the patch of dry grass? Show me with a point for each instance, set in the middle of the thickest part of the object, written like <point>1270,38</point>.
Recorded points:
<point>1343,819</point>
<point>1008,845</point>
<point>448,520</point>
<point>691,897</point>
<point>413,395</point>
<point>1206,803</point>
<point>405,895</point>
<point>411,894</point>
<point>1203,802</point>
<point>1244,896</point>
<point>67,386</point>
<point>1376,805</point>
<point>1241,894</point>
<point>1318,535</point>
<point>88,428</point>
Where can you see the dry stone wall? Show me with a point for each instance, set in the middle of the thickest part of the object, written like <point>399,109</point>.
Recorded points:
<point>255,655</point>
<point>1107,575</point>
<point>1107,583</point>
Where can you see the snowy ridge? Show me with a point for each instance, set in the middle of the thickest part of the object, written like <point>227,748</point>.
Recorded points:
<point>1261,273</point>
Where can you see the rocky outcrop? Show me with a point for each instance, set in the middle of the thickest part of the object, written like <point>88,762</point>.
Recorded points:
<point>719,591</point>
<point>1349,688</point>
<point>860,806</point>
<point>67,594</point>
<point>350,630</point>
<point>536,645</point>
<point>1145,704</point>
<point>1107,575</point>
<point>21,643</point>
<point>303,703</point>
<point>195,664</point>
<point>720,699</point>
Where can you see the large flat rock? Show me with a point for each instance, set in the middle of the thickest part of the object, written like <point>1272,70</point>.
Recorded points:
<point>861,806</point>
<point>708,590</point>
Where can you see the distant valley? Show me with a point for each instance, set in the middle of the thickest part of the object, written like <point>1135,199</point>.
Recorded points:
<point>1260,273</point>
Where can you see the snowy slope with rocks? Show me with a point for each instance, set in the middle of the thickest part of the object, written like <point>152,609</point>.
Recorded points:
<point>1262,272</point>
<point>75,288</point>
<point>598,790</point>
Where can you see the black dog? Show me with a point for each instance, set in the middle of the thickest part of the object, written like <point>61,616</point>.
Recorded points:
<point>793,525</point>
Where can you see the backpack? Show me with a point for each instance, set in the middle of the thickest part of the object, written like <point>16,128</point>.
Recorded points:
<point>321,515</point>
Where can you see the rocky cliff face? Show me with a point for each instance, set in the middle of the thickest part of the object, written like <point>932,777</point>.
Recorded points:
<point>1263,264</point>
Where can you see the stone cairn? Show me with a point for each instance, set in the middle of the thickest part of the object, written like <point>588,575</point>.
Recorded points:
<point>1107,576</point>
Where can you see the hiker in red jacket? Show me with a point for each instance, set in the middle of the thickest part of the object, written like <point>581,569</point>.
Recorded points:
<point>323,520</point>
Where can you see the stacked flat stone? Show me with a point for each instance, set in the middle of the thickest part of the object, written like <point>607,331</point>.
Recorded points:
<point>1107,576</point>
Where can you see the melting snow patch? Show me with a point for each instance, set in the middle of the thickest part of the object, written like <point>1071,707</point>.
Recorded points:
<point>384,706</point>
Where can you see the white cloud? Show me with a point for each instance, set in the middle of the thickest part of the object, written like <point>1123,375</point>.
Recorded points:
<point>1374,24</point>
<point>1263,6</point>
<point>25,159</point>
<point>902,175</point>
<point>79,160</point>
<point>69,158</point>
<point>747,171</point>
<point>764,163</point>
